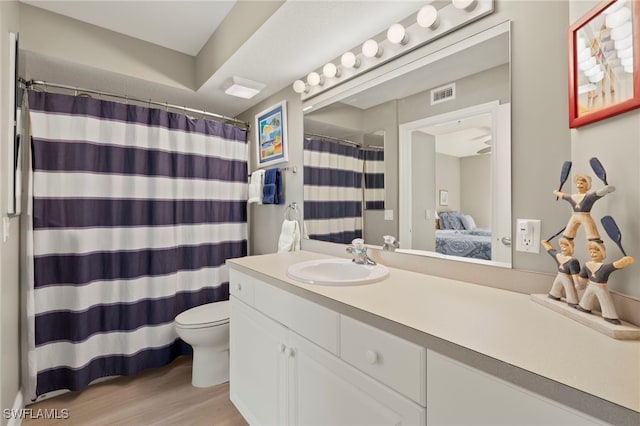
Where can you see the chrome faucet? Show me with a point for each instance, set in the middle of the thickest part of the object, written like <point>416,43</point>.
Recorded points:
<point>359,252</point>
<point>390,243</point>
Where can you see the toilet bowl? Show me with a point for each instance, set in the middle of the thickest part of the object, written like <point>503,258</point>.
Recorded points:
<point>206,329</point>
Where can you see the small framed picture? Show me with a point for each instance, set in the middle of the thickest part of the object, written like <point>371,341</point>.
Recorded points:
<point>271,135</point>
<point>604,62</point>
<point>444,197</point>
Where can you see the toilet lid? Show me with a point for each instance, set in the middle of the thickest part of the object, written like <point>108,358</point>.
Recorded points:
<point>205,315</point>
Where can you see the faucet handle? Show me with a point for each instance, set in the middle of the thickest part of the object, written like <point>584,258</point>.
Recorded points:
<point>358,243</point>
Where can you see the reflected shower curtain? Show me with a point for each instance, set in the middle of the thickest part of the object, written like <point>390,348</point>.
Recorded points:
<point>373,179</point>
<point>134,212</point>
<point>332,191</point>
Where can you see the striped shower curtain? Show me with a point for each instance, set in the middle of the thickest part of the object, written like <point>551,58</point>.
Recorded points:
<point>373,179</point>
<point>133,214</point>
<point>332,191</point>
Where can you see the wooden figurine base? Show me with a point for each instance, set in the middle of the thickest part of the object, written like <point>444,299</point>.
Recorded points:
<point>624,331</point>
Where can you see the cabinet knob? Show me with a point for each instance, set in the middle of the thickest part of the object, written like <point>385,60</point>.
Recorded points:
<point>282,347</point>
<point>289,352</point>
<point>238,287</point>
<point>372,356</point>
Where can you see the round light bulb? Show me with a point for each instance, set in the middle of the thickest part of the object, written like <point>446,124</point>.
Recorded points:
<point>330,70</point>
<point>314,79</point>
<point>622,31</point>
<point>597,77</point>
<point>623,43</point>
<point>590,63</point>
<point>614,20</point>
<point>428,17</point>
<point>349,60</point>
<point>586,88</point>
<point>584,54</point>
<point>396,34</point>
<point>625,62</point>
<point>625,53</point>
<point>593,71</point>
<point>299,86</point>
<point>464,4</point>
<point>371,49</point>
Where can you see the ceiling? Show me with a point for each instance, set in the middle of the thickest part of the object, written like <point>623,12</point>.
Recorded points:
<point>300,36</point>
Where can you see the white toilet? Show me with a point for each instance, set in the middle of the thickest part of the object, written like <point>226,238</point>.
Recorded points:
<point>206,329</point>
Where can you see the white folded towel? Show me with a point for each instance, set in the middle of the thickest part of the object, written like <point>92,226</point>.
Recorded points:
<point>289,236</point>
<point>255,187</point>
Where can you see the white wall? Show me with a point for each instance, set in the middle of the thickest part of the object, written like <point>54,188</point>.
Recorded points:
<point>9,259</point>
<point>616,143</point>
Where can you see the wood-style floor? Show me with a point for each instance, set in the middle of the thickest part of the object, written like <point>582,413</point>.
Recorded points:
<point>162,396</point>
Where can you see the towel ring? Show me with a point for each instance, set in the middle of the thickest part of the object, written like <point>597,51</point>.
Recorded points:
<point>292,208</point>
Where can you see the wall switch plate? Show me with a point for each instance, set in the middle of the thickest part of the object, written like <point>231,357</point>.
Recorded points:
<point>388,215</point>
<point>6,228</point>
<point>528,235</point>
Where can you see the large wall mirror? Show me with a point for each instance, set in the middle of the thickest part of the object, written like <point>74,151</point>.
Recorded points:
<point>420,152</point>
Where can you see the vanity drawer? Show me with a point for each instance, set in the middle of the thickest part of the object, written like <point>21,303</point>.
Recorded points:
<point>316,323</point>
<point>392,360</point>
<point>242,286</point>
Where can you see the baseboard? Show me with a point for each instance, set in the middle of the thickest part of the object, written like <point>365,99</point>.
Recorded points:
<point>18,405</point>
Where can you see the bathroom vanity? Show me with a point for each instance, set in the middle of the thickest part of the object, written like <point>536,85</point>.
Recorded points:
<point>415,349</point>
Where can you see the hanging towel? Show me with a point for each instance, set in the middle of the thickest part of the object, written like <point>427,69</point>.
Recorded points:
<point>255,187</point>
<point>289,236</point>
<point>272,190</point>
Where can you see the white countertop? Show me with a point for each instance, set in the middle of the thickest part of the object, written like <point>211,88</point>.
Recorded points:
<point>504,325</point>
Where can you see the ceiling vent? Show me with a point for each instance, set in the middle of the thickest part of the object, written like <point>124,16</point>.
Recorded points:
<point>443,93</point>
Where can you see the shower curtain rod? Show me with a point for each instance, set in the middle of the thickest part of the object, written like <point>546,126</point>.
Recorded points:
<point>79,90</point>
<point>346,141</point>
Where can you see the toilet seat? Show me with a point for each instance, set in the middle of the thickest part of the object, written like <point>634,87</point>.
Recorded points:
<point>207,315</point>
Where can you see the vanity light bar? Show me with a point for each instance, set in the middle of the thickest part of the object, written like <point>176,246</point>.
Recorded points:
<point>431,24</point>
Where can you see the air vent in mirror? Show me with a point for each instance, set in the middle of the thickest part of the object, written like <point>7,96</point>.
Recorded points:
<point>443,93</point>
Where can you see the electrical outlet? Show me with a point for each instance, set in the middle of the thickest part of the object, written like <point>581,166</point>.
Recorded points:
<point>528,235</point>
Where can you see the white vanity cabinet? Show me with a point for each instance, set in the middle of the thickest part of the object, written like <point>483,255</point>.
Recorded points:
<point>462,395</point>
<point>281,376</point>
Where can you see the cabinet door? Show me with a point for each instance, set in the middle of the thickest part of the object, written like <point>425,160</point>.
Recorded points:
<point>458,394</point>
<point>324,390</point>
<point>257,366</point>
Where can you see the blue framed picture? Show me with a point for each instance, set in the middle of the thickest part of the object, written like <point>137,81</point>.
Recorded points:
<point>271,135</point>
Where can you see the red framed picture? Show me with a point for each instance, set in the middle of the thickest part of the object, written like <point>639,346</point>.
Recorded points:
<point>604,62</point>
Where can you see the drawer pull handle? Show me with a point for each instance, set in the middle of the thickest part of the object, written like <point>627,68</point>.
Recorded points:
<point>289,352</point>
<point>372,356</point>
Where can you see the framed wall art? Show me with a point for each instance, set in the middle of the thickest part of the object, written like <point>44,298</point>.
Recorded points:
<point>271,135</point>
<point>604,62</point>
<point>444,197</point>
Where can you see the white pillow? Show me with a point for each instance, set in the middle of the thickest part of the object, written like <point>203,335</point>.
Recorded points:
<point>467,221</point>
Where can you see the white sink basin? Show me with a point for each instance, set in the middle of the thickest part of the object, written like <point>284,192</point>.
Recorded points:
<point>336,272</point>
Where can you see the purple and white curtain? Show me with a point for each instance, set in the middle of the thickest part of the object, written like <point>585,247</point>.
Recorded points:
<point>133,214</point>
<point>333,194</point>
